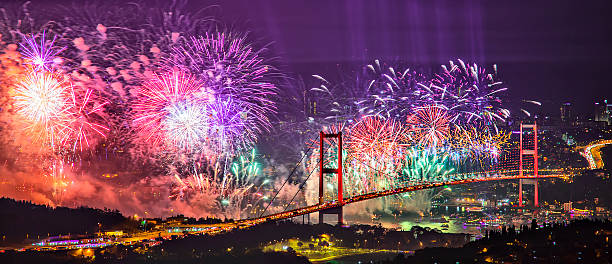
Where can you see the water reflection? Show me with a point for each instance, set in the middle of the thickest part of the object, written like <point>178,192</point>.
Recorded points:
<point>444,219</point>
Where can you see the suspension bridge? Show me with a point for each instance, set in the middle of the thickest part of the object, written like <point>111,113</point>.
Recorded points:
<point>526,172</point>
<point>335,207</point>
<point>527,153</point>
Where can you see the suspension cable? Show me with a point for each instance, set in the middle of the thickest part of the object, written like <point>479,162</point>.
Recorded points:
<point>301,186</point>
<point>288,177</point>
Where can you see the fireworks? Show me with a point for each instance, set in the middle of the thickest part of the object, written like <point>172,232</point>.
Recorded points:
<point>229,129</point>
<point>42,99</point>
<point>469,93</point>
<point>479,141</point>
<point>426,166</point>
<point>449,124</point>
<point>376,91</point>
<point>184,124</point>
<point>40,55</point>
<point>430,125</point>
<point>234,71</point>
<point>84,121</point>
<point>375,139</point>
<point>169,110</point>
<point>172,87</point>
<point>54,113</point>
<point>186,90</point>
<point>390,92</point>
<point>231,190</point>
<point>177,110</point>
<point>217,102</point>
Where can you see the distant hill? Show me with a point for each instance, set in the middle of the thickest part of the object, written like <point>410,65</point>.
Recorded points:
<point>21,219</point>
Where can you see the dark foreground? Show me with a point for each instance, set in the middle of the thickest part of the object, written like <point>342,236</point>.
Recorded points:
<point>582,241</point>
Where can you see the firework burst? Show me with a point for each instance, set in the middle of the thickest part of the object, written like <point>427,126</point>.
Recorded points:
<point>228,65</point>
<point>43,100</point>
<point>430,125</point>
<point>169,110</point>
<point>184,124</point>
<point>374,138</point>
<point>40,55</point>
<point>468,92</point>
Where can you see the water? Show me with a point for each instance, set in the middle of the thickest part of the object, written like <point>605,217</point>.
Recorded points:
<point>439,218</point>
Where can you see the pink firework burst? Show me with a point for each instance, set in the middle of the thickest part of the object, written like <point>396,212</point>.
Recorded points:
<point>165,99</point>
<point>430,125</point>
<point>82,123</point>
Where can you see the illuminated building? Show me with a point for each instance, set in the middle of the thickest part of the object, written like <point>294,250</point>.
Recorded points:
<point>566,113</point>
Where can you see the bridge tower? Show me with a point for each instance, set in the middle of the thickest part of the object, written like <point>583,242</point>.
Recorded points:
<point>322,170</point>
<point>528,152</point>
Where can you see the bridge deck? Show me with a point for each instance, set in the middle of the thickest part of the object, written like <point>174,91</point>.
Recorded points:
<point>358,198</point>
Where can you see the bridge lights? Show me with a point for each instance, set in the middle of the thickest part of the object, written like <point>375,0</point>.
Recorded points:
<point>338,171</point>
<point>533,152</point>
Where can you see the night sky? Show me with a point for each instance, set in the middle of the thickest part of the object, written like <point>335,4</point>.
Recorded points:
<point>551,51</point>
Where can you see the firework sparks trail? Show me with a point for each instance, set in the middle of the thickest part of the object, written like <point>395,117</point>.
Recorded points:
<point>479,141</point>
<point>384,92</point>
<point>83,123</point>
<point>468,92</point>
<point>426,166</point>
<point>229,130</point>
<point>390,92</point>
<point>234,192</point>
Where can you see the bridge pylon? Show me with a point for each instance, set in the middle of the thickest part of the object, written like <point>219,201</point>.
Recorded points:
<point>531,152</point>
<point>322,170</point>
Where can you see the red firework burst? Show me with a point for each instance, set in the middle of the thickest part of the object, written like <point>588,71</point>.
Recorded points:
<point>430,125</point>
<point>374,138</point>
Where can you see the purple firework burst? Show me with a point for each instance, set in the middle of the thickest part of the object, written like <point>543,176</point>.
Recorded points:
<point>230,67</point>
<point>41,55</point>
<point>468,92</point>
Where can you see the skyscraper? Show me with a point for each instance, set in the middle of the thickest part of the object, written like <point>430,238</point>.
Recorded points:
<point>566,113</point>
<point>602,113</point>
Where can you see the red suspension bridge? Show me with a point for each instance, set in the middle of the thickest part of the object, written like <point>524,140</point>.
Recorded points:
<point>526,172</point>
<point>526,152</point>
<point>335,207</point>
